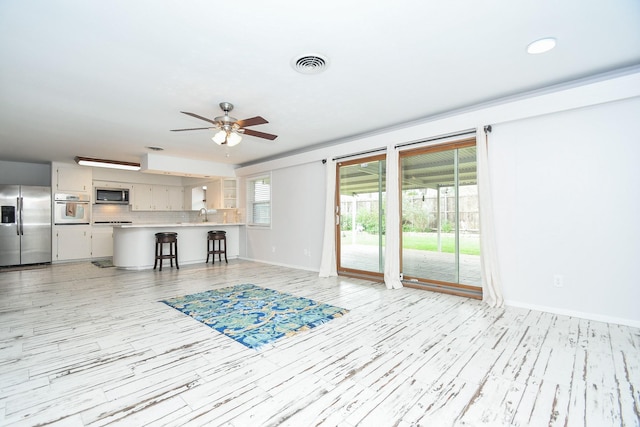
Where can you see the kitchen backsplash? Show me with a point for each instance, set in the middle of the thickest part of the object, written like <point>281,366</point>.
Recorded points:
<point>124,213</point>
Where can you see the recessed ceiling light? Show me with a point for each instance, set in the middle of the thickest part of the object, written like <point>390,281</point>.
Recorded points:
<point>154,148</point>
<point>541,46</point>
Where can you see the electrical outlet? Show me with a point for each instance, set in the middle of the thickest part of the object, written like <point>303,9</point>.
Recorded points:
<point>558,280</point>
<point>273,249</point>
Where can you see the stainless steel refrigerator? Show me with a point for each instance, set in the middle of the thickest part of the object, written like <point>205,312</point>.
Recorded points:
<point>25,225</point>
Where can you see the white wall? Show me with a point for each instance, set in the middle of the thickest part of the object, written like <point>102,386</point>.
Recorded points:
<point>117,175</point>
<point>574,147</point>
<point>565,188</point>
<point>295,236</point>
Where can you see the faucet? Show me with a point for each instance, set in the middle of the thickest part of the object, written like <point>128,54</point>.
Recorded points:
<point>203,211</point>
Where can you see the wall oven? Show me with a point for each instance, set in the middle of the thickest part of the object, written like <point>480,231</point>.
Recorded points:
<point>71,209</point>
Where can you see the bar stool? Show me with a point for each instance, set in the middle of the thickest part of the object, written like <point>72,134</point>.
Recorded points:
<point>172,240</point>
<point>220,237</point>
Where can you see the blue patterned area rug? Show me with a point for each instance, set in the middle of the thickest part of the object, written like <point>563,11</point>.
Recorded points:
<point>252,315</point>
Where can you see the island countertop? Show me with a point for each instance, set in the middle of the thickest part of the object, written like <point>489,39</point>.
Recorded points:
<point>134,244</point>
<point>176,224</point>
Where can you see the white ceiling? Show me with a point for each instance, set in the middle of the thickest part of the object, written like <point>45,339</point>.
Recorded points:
<point>108,78</point>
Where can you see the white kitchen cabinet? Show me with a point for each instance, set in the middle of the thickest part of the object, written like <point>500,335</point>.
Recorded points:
<point>72,242</point>
<point>214,194</point>
<point>142,199</point>
<point>148,197</point>
<point>229,193</point>
<point>222,194</point>
<point>111,184</point>
<point>159,198</point>
<point>101,241</point>
<point>73,179</point>
<point>176,198</point>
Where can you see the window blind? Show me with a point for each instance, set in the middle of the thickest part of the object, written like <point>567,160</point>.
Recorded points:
<point>260,201</point>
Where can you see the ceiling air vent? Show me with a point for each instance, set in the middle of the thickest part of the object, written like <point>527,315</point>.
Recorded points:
<point>310,64</point>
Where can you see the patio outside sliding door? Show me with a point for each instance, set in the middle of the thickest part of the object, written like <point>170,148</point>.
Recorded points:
<point>360,205</point>
<point>440,218</point>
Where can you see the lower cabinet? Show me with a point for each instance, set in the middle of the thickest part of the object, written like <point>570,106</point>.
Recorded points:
<point>75,242</point>
<point>101,241</point>
<point>71,242</point>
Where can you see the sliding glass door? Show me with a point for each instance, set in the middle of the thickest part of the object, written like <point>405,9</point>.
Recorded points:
<point>361,226</point>
<point>440,217</point>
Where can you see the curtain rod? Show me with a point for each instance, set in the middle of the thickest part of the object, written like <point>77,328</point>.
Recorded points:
<point>436,138</point>
<point>406,144</point>
<point>375,150</point>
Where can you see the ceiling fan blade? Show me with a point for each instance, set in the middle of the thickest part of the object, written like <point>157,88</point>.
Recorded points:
<point>257,120</point>
<point>179,130</point>
<point>198,117</point>
<point>260,134</point>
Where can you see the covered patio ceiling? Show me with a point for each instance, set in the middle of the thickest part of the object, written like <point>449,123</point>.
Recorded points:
<point>422,171</point>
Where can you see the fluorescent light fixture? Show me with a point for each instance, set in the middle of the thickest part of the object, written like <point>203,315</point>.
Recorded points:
<point>102,163</point>
<point>541,46</point>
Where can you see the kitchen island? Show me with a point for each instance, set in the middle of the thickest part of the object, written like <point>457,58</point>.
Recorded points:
<point>134,244</point>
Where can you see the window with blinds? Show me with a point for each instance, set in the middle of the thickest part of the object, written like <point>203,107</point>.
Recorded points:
<point>259,201</point>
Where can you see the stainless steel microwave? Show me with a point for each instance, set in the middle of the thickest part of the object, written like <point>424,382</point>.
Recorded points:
<point>116,196</point>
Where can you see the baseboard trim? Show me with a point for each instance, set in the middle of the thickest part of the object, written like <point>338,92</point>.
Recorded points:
<point>279,264</point>
<point>573,313</point>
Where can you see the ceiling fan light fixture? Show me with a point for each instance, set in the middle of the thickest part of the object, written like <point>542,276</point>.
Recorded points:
<point>229,130</point>
<point>220,137</point>
<point>233,139</point>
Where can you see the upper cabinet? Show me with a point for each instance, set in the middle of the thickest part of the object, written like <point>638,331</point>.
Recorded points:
<point>229,193</point>
<point>141,197</point>
<point>111,184</point>
<point>73,179</point>
<point>175,198</point>
<point>214,194</point>
<point>220,194</point>
<point>148,197</point>
<point>159,198</point>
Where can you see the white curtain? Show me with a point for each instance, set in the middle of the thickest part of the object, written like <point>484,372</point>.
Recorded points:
<point>491,286</point>
<point>392,224</point>
<point>328,261</point>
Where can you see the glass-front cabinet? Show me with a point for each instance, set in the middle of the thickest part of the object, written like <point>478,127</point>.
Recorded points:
<point>229,193</point>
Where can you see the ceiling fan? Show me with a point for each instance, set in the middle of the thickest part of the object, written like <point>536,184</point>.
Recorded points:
<point>230,128</point>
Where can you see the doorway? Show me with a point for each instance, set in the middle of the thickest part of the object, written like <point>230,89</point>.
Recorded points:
<point>360,232</point>
<point>440,235</point>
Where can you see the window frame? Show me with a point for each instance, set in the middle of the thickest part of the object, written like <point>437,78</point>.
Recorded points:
<point>251,202</point>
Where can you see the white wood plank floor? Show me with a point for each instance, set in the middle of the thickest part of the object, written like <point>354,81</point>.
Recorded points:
<point>88,346</point>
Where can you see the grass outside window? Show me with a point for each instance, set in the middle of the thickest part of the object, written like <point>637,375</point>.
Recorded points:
<point>469,243</point>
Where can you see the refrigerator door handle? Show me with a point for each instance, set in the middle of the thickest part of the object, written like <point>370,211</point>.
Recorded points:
<point>19,229</point>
